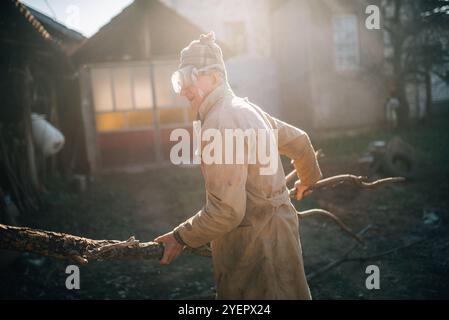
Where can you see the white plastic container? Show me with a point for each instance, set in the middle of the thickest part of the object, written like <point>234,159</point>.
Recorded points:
<point>47,138</point>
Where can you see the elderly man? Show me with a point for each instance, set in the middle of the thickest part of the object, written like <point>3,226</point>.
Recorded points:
<point>248,217</point>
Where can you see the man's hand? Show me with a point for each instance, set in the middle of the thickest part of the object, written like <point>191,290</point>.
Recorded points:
<point>301,190</point>
<point>172,248</point>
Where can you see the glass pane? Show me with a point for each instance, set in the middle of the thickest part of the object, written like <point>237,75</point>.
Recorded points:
<point>345,42</point>
<point>139,119</point>
<point>122,88</point>
<point>143,96</point>
<point>171,115</point>
<point>101,87</point>
<point>164,91</point>
<point>110,121</point>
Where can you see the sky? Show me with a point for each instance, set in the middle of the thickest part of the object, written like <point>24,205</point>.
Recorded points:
<point>84,16</point>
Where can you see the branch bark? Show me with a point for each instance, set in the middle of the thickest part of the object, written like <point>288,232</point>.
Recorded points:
<point>78,249</point>
<point>359,181</point>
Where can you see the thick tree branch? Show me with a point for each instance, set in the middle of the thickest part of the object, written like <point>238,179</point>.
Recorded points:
<point>79,249</point>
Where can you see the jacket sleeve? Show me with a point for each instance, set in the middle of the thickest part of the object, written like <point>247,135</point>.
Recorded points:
<point>295,144</point>
<point>225,205</point>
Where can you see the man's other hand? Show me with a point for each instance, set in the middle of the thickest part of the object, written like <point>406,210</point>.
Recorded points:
<point>172,248</point>
<point>301,190</point>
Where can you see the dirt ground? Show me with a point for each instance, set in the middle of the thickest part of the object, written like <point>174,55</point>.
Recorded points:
<point>149,203</point>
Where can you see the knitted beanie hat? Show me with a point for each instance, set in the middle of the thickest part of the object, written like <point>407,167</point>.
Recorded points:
<point>203,53</point>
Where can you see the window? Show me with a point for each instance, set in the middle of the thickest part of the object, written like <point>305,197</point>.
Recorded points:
<point>164,92</point>
<point>121,81</point>
<point>101,84</point>
<point>123,97</point>
<point>172,109</point>
<point>143,96</point>
<point>236,36</point>
<point>345,38</point>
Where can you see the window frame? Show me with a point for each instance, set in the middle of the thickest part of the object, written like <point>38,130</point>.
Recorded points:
<point>353,45</point>
<point>154,109</point>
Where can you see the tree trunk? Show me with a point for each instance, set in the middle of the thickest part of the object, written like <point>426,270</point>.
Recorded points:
<point>429,106</point>
<point>398,39</point>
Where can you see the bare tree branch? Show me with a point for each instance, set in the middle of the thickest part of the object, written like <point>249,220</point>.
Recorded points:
<point>359,181</point>
<point>79,249</point>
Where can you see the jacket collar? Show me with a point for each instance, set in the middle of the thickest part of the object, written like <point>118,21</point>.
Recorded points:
<point>212,99</point>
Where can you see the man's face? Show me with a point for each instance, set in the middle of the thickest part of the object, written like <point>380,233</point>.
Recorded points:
<point>197,92</point>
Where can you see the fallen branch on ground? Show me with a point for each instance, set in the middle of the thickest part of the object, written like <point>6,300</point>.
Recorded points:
<point>341,224</point>
<point>344,258</point>
<point>337,262</point>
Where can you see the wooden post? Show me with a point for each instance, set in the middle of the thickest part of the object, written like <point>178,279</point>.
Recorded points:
<point>157,134</point>
<point>54,119</point>
<point>147,50</point>
<point>88,119</point>
<point>28,134</point>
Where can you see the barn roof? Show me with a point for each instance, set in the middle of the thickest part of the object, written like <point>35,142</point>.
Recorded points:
<point>11,13</point>
<point>124,37</point>
<point>55,28</point>
<point>21,26</point>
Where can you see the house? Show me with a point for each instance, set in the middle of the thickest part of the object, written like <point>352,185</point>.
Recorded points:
<point>329,64</point>
<point>37,77</point>
<point>312,63</point>
<point>129,107</point>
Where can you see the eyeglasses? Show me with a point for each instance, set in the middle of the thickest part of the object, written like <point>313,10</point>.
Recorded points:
<point>184,77</point>
<point>188,76</point>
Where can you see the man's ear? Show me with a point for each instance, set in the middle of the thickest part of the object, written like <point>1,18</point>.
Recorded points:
<point>216,78</point>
